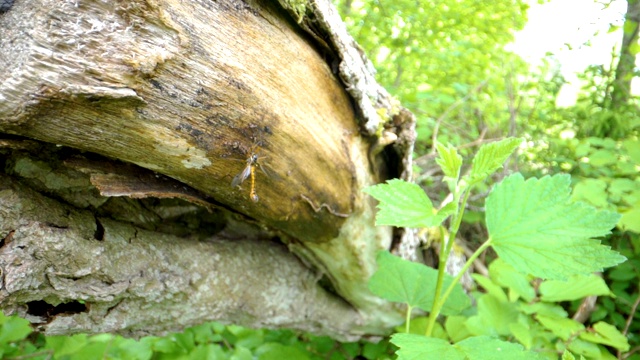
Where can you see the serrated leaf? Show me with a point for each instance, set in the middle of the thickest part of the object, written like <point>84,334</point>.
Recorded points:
<point>607,334</point>
<point>491,156</point>
<point>403,204</point>
<point>404,281</point>
<point>450,161</point>
<point>537,229</point>
<point>418,347</point>
<point>574,288</point>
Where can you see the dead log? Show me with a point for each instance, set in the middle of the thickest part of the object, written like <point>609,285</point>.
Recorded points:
<point>192,93</point>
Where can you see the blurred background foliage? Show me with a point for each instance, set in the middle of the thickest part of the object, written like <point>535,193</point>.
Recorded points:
<point>444,60</point>
<point>447,62</point>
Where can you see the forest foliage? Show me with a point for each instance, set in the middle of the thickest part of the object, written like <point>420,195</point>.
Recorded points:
<point>446,61</point>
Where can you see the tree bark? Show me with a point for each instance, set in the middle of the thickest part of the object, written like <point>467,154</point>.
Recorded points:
<point>626,64</point>
<point>125,123</point>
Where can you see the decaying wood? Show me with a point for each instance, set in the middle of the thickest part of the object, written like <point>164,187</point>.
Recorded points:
<point>190,91</point>
<point>120,278</point>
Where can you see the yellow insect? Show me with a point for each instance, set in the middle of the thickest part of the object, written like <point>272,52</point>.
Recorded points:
<point>249,171</point>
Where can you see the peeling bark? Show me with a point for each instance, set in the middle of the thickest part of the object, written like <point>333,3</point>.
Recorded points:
<point>67,271</point>
<point>155,106</point>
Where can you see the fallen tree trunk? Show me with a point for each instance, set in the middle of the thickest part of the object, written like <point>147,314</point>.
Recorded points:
<point>193,94</point>
<point>138,282</point>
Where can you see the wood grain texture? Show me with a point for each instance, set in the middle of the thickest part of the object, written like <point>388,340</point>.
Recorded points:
<point>190,90</point>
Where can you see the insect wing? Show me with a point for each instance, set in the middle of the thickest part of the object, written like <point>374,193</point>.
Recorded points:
<point>266,170</point>
<point>238,179</point>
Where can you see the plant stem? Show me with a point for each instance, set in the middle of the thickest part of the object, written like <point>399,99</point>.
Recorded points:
<point>455,221</point>
<point>464,269</point>
<point>442,262</point>
<point>408,319</point>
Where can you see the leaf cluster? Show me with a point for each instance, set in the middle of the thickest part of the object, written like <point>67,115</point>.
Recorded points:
<point>207,341</point>
<point>539,234</point>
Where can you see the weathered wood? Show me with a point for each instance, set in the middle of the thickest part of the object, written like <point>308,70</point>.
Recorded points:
<point>67,270</point>
<point>194,89</point>
<point>187,89</point>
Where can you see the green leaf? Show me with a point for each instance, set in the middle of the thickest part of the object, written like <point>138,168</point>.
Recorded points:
<point>275,351</point>
<point>248,338</point>
<point>631,219</point>
<point>592,191</point>
<point>561,327</point>
<point>567,355</point>
<point>607,334</point>
<point>600,158</point>
<point>491,156</point>
<point>633,149</point>
<point>241,353</point>
<point>204,351</point>
<point>90,351</point>
<point>450,162</point>
<point>576,287</point>
<point>66,345</point>
<point>404,281</point>
<point>505,275</point>
<point>475,348</point>
<point>490,287</point>
<point>584,348</point>
<point>13,328</point>
<point>375,350</point>
<point>167,345</point>
<point>456,328</point>
<point>418,325</point>
<point>494,317</point>
<point>543,308</point>
<point>185,340</point>
<point>488,348</point>
<point>535,228</point>
<point>403,204</point>
<point>132,349</point>
<point>419,347</point>
<point>522,333</point>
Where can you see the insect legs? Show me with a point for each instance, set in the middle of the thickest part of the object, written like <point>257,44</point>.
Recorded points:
<point>248,171</point>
